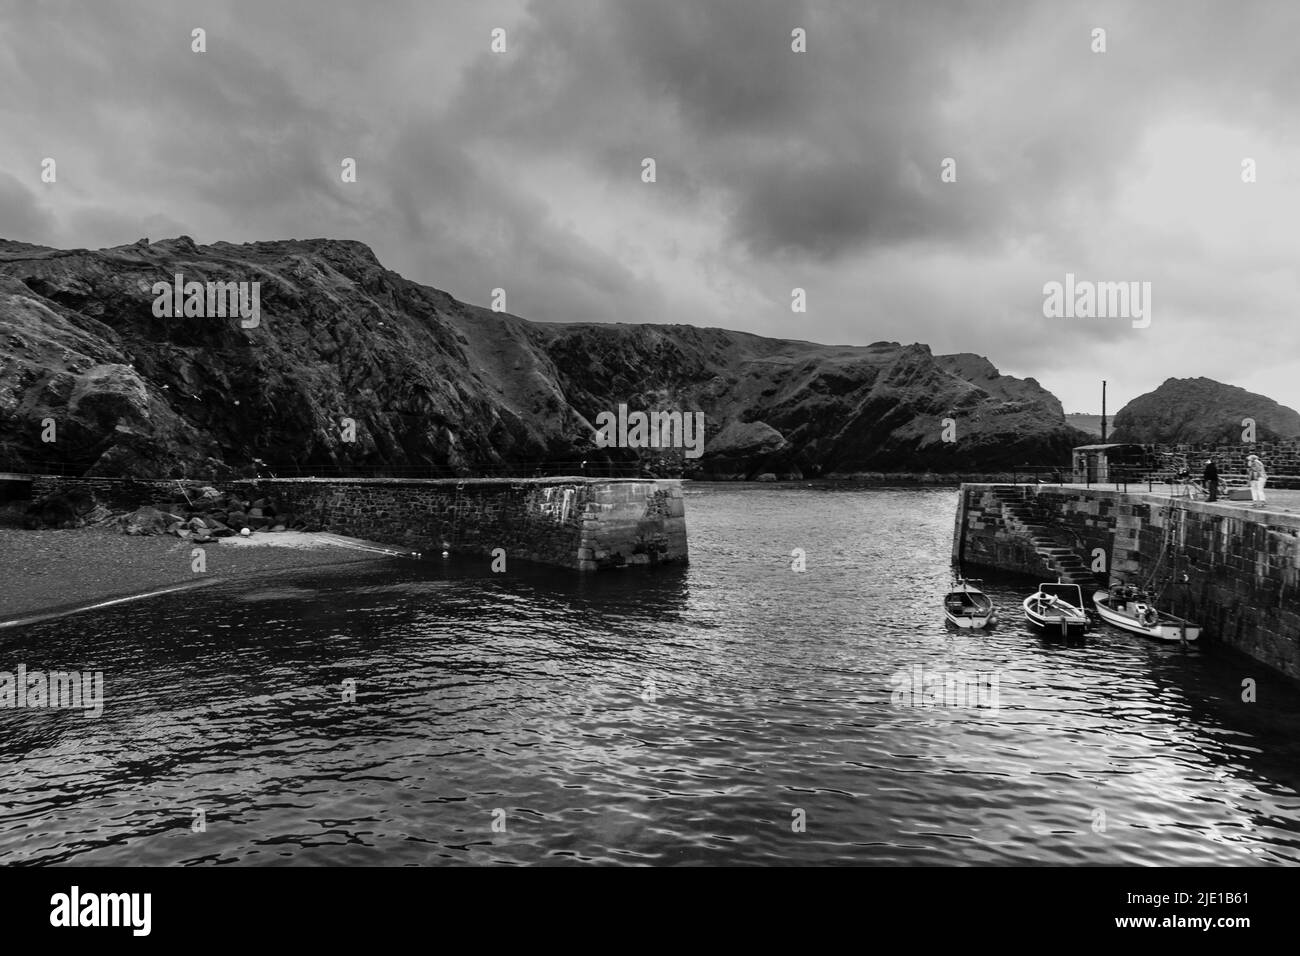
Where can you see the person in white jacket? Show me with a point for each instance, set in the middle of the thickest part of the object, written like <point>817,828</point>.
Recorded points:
<point>1255,471</point>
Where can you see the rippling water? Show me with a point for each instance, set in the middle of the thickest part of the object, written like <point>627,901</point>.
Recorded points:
<point>732,712</point>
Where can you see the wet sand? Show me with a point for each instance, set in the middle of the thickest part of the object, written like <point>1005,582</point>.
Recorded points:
<point>53,571</point>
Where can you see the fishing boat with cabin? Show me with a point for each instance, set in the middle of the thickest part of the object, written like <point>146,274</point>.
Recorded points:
<point>1134,609</point>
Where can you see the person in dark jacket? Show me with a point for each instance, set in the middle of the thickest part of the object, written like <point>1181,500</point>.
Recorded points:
<point>1210,479</point>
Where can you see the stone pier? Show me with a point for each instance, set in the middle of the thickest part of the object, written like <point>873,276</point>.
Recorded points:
<point>587,524</point>
<point>1232,567</point>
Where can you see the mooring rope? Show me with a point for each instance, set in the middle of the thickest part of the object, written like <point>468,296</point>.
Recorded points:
<point>363,547</point>
<point>1167,546</point>
<point>1164,548</point>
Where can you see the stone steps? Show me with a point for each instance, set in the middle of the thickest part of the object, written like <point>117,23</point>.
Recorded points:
<point>1058,555</point>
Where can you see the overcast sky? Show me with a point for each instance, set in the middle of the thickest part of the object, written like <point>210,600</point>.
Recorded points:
<point>775,169</point>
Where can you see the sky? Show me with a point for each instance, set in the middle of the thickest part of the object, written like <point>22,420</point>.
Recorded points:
<point>775,169</point>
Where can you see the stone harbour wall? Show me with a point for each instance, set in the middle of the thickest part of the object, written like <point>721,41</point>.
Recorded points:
<point>632,522</point>
<point>986,535</point>
<point>1234,570</point>
<point>586,524</point>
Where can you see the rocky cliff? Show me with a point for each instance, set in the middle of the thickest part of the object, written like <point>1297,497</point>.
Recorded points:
<point>434,384</point>
<point>1201,410</point>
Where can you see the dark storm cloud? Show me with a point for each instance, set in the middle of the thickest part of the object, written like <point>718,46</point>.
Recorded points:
<point>485,233</point>
<point>818,153</point>
<point>796,139</point>
<point>795,145</point>
<point>839,148</point>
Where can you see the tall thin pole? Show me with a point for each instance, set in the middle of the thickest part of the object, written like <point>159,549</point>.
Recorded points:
<point>1103,410</point>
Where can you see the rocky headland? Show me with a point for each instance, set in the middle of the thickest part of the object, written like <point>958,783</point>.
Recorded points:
<point>1201,411</point>
<point>432,385</point>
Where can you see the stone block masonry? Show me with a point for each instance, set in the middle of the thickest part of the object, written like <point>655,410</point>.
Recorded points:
<point>1234,570</point>
<point>1281,458</point>
<point>587,524</point>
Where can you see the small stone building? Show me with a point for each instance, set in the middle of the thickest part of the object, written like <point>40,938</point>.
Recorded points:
<point>1100,464</point>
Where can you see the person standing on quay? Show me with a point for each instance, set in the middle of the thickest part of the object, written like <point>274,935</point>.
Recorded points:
<point>1211,479</point>
<point>1255,470</point>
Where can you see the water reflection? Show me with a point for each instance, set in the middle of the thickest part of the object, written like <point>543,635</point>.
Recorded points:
<point>657,716</point>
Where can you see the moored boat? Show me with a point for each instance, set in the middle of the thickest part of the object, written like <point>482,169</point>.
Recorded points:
<point>967,606</point>
<point>1057,608</point>
<point>1133,609</point>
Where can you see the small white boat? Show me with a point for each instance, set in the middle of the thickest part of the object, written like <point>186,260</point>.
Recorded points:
<point>1133,609</point>
<point>1057,608</point>
<point>968,606</point>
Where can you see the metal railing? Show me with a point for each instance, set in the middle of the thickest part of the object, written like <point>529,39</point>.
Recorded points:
<point>1039,474</point>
